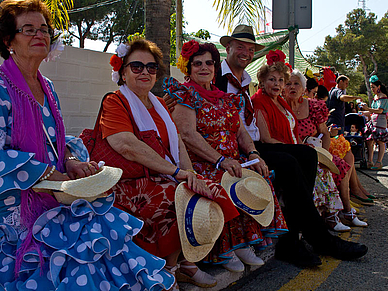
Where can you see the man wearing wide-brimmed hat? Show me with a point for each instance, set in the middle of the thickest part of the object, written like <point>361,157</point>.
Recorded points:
<point>295,165</point>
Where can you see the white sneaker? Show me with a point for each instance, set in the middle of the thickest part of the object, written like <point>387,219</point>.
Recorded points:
<point>248,256</point>
<point>234,264</point>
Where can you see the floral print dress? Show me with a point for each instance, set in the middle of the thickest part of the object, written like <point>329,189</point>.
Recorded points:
<point>218,123</point>
<point>326,195</point>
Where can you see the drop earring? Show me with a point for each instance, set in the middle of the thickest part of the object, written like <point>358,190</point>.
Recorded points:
<point>11,52</point>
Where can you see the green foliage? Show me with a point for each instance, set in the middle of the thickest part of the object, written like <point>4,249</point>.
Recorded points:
<point>239,11</point>
<point>202,33</point>
<point>59,13</point>
<point>359,48</point>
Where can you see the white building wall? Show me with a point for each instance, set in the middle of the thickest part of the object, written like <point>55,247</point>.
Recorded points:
<point>81,78</point>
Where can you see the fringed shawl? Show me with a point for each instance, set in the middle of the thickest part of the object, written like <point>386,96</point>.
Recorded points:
<point>278,124</point>
<point>28,136</point>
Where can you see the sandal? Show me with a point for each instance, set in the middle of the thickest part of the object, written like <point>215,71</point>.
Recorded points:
<point>200,278</point>
<point>369,164</point>
<point>349,218</point>
<point>375,167</point>
<point>334,223</point>
<point>172,270</point>
<point>364,201</point>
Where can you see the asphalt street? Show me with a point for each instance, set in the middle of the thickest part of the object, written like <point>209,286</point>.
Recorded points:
<point>367,273</point>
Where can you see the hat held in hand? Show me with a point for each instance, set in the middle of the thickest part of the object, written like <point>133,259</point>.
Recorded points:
<point>200,223</point>
<point>89,188</point>
<point>252,194</point>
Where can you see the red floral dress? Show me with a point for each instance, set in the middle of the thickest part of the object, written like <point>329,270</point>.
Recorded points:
<point>218,124</point>
<point>318,113</point>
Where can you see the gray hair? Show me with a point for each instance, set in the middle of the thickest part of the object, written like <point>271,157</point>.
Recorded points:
<point>297,73</point>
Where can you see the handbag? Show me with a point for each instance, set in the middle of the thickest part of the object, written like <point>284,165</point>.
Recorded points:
<point>100,150</point>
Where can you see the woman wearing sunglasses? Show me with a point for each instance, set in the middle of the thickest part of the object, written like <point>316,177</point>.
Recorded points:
<point>133,107</point>
<point>209,122</point>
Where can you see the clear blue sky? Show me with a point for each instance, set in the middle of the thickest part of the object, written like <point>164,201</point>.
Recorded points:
<point>327,15</point>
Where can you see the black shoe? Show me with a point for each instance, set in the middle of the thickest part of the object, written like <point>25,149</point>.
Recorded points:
<point>341,249</point>
<point>295,252</point>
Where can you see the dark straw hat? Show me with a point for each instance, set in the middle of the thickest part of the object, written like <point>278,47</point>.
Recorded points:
<point>242,33</point>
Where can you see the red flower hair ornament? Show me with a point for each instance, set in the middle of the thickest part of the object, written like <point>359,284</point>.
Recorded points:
<point>289,66</point>
<point>116,62</point>
<point>189,48</point>
<point>275,56</point>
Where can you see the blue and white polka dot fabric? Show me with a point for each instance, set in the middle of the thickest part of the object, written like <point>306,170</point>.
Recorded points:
<point>84,246</point>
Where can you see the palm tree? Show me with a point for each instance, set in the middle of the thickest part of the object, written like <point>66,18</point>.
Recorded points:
<point>157,24</point>
<point>245,11</point>
<point>58,11</point>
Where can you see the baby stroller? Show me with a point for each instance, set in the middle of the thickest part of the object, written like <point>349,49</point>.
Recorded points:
<point>357,140</point>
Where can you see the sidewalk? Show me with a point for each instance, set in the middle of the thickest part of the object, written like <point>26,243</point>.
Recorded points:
<point>376,182</point>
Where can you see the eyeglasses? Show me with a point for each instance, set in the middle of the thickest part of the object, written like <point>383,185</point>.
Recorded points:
<point>138,67</point>
<point>199,63</point>
<point>32,31</point>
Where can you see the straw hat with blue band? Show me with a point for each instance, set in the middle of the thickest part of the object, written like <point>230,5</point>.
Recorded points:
<point>242,33</point>
<point>251,194</point>
<point>200,223</point>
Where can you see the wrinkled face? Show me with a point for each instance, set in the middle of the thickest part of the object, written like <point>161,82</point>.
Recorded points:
<point>240,54</point>
<point>25,46</point>
<point>374,88</point>
<point>274,84</point>
<point>293,89</point>
<point>143,82</point>
<point>202,69</point>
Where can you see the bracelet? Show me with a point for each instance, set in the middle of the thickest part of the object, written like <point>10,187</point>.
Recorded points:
<point>192,171</point>
<point>45,177</point>
<point>176,172</point>
<point>219,161</point>
<point>71,158</point>
<point>253,152</point>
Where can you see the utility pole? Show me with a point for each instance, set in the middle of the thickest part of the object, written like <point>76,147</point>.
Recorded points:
<point>179,16</point>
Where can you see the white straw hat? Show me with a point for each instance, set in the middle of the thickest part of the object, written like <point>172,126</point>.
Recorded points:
<point>88,188</point>
<point>200,223</point>
<point>252,194</point>
<point>325,158</point>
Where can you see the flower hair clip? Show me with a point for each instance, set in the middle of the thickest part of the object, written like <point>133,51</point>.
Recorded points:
<point>373,79</point>
<point>116,61</point>
<point>275,56</point>
<point>188,49</point>
<point>56,48</point>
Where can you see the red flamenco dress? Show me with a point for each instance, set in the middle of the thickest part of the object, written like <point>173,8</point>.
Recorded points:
<point>151,199</point>
<point>217,118</point>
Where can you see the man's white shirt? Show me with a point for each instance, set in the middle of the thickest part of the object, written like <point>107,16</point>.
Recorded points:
<point>252,129</point>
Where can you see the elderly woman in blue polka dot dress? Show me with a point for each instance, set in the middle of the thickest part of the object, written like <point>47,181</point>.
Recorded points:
<point>45,245</point>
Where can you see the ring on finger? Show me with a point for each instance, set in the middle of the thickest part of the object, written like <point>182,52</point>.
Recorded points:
<point>91,166</point>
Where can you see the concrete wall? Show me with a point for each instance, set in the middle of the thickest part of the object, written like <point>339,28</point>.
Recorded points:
<point>81,78</point>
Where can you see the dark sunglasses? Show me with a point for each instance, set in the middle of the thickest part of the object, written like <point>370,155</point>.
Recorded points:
<point>138,67</point>
<point>199,63</point>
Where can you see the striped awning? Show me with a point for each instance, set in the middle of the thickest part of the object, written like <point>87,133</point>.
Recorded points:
<point>272,41</point>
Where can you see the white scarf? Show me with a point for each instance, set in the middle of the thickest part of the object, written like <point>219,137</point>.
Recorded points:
<point>145,122</point>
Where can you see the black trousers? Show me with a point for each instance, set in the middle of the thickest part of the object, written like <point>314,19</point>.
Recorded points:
<point>295,169</point>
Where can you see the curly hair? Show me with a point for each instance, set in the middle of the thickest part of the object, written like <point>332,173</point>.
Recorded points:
<point>9,11</point>
<point>264,71</point>
<point>203,48</point>
<point>146,46</point>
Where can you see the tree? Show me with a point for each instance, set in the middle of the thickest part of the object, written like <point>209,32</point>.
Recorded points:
<point>356,46</point>
<point>158,31</point>
<point>244,11</point>
<point>127,17</point>
<point>84,19</point>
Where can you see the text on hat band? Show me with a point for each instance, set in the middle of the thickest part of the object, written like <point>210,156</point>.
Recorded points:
<point>239,203</point>
<point>189,220</point>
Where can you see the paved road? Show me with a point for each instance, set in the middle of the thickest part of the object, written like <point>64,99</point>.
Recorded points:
<point>367,273</point>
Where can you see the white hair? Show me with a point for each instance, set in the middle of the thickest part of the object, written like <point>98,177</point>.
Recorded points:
<point>297,73</point>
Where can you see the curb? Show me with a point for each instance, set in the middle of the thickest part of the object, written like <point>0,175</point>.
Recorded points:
<point>224,277</point>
